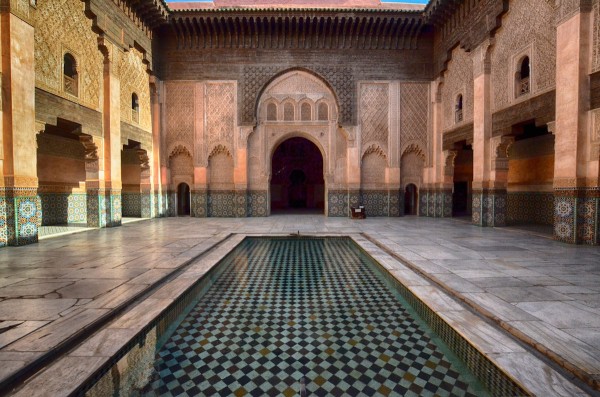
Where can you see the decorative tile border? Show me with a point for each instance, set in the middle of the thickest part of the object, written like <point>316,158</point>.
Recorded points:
<point>222,204</point>
<point>62,208</point>
<point>576,215</point>
<point>530,208</point>
<point>147,205</point>
<point>337,203</point>
<point>113,208</point>
<point>132,204</point>
<point>435,203</point>
<point>171,203</point>
<point>258,203</point>
<point>199,203</point>
<point>489,207</point>
<point>424,202</point>
<point>20,216</point>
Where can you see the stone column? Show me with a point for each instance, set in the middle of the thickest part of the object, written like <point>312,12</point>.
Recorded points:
<point>146,194</point>
<point>489,200</point>
<point>443,203</point>
<point>110,205</point>
<point>576,191</point>
<point>20,206</point>
<point>393,182</point>
<point>158,188</point>
<point>434,174</point>
<point>93,180</point>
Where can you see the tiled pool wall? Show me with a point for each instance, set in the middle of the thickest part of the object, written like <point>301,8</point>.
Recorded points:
<point>130,368</point>
<point>493,378</point>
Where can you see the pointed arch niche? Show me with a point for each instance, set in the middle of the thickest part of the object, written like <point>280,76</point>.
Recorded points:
<point>294,97</point>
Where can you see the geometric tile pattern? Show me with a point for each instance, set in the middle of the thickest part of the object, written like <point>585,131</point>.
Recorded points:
<point>530,208</point>
<point>113,208</point>
<point>258,203</point>
<point>489,207</point>
<point>308,317</point>
<point>424,201</point>
<point>435,203</point>
<point>381,203</point>
<point>227,204</point>
<point>20,216</point>
<point>132,204</point>
<point>62,208</point>
<point>576,215</point>
<point>337,203</point>
<point>221,204</point>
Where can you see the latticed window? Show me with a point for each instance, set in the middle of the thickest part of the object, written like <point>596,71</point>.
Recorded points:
<point>271,112</point>
<point>135,108</point>
<point>523,80</point>
<point>70,78</point>
<point>458,109</point>
<point>323,112</point>
<point>305,112</point>
<point>288,112</point>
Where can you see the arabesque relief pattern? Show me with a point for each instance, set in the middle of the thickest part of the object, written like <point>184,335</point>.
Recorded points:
<point>220,113</point>
<point>61,26</point>
<point>134,78</point>
<point>374,118</point>
<point>458,79</point>
<point>180,115</point>
<point>255,78</point>
<point>414,100</point>
<point>526,23</point>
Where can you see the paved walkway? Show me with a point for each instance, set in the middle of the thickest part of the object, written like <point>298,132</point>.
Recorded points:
<point>545,292</point>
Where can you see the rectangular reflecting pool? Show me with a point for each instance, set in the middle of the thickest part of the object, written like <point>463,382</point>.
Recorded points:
<point>299,317</point>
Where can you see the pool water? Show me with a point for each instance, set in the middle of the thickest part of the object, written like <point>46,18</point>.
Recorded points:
<point>297,317</point>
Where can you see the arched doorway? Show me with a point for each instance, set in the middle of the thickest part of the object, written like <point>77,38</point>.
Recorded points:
<point>297,184</point>
<point>183,199</point>
<point>411,199</point>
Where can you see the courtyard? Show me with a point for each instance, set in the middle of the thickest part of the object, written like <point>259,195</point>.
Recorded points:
<point>537,294</point>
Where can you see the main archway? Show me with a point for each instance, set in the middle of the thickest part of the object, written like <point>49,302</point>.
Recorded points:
<point>297,184</point>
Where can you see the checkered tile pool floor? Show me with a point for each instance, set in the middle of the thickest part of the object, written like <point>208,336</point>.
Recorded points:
<point>304,317</point>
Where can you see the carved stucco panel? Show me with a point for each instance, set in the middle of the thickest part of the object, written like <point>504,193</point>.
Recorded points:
<point>414,100</point>
<point>220,113</point>
<point>458,79</point>
<point>527,23</point>
<point>180,115</point>
<point>134,78</point>
<point>374,114</point>
<point>61,26</point>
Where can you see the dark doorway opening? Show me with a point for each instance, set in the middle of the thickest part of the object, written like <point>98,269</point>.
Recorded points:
<point>411,199</point>
<point>183,199</point>
<point>297,184</point>
<point>462,196</point>
<point>460,199</point>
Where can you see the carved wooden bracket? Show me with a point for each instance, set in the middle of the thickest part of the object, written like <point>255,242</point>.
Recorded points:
<point>500,146</point>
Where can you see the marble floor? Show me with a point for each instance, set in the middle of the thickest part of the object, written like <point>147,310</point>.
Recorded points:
<point>545,293</point>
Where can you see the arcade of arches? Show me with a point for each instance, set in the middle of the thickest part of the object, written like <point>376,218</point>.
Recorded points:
<point>227,111</point>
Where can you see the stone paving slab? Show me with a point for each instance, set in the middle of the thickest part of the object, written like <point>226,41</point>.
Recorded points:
<point>523,281</point>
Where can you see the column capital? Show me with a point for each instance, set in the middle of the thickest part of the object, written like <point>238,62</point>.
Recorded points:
<point>499,147</point>
<point>481,57</point>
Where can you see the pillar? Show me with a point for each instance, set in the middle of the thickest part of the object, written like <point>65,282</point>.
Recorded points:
<point>157,177</point>
<point>20,206</point>
<point>146,191</point>
<point>576,191</point>
<point>110,189</point>
<point>489,194</point>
